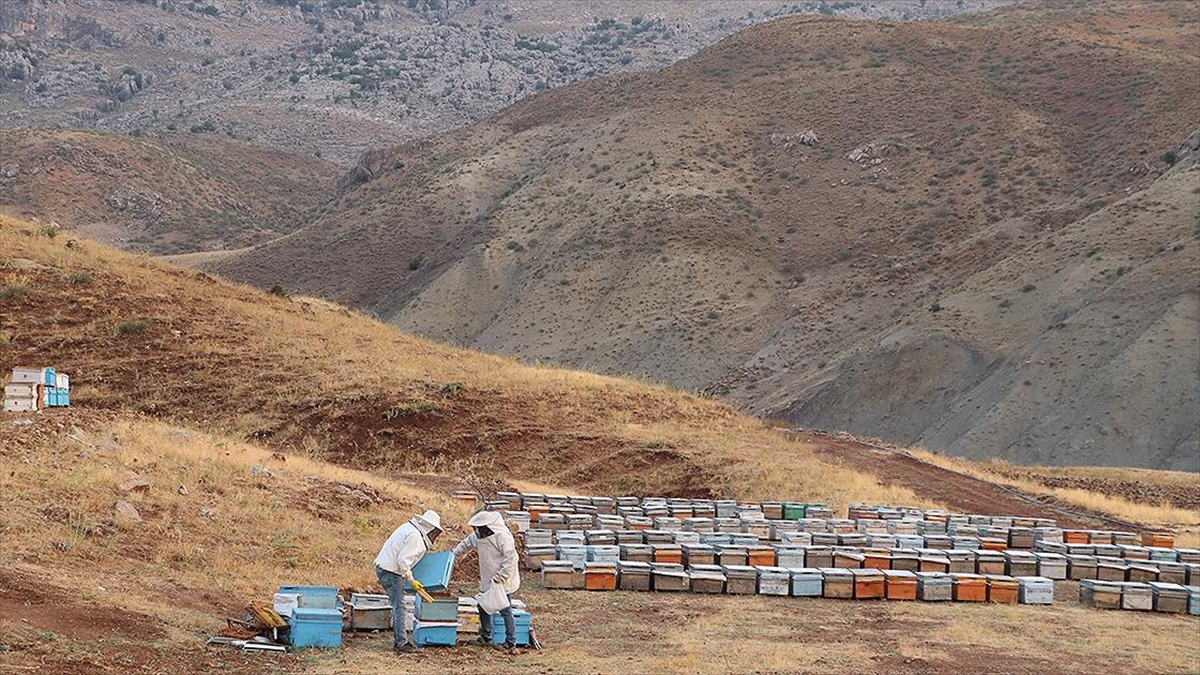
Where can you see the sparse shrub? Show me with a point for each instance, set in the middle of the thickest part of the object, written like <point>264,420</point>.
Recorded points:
<point>79,278</point>
<point>1028,287</point>
<point>415,264</point>
<point>278,291</point>
<point>50,231</point>
<point>15,292</point>
<point>1169,157</point>
<point>130,327</point>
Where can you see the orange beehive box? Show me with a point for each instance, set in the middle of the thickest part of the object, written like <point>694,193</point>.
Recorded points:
<point>761,557</point>
<point>868,584</point>
<point>1158,539</point>
<point>600,578</point>
<point>668,554</point>
<point>970,588</point>
<point>536,511</point>
<point>877,561</point>
<point>1075,537</point>
<point>900,585</point>
<point>993,544</point>
<point>1002,589</point>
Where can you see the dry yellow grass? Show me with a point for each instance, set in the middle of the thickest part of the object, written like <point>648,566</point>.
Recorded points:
<point>236,361</point>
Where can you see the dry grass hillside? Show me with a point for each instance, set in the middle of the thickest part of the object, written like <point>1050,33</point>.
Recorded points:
<point>743,220</point>
<point>315,379</point>
<point>170,193</point>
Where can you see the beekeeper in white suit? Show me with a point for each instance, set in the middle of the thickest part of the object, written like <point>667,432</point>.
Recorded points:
<point>497,565</point>
<point>405,548</point>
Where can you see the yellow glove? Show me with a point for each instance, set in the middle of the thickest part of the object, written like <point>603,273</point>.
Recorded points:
<point>420,589</point>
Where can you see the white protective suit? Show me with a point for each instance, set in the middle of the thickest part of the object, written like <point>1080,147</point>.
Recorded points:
<point>407,545</point>
<point>497,553</point>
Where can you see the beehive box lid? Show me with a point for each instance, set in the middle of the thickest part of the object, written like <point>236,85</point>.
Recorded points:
<point>1162,587</point>
<point>900,575</point>
<point>867,573</point>
<point>557,565</point>
<point>777,571</point>
<point>836,573</point>
<point>740,571</point>
<point>633,566</point>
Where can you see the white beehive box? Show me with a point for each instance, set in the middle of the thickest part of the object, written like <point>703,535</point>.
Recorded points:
<point>33,375</point>
<point>20,405</point>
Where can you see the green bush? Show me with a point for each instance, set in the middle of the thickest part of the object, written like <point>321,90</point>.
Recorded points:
<point>79,278</point>
<point>130,327</point>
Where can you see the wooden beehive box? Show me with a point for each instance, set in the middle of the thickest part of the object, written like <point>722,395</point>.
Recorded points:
<point>1169,598</point>
<point>877,560</point>
<point>1080,567</point>
<point>837,582</point>
<point>1020,564</point>
<point>707,579</point>
<point>1051,565</point>
<point>905,560</point>
<point>774,581</point>
<point>868,584</point>
<point>1137,597</point>
<point>633,576</point>
<point>740,579</point>
<point>934,587</point>
<point>969,588</point>
<point>600,576</point>
<point>558,574</point>
<point>1172,572</point>
<point>760,556</point>
<point>1158,539</point>
<point>1142,572</point>
<point>989,562</point>
<point>669,577</point>
<point>848,558</point>
<point>728,554</point>
<point>938,564</point>
<point>900,585</point>
<point>1100,594</point>
<point>1111,569</point>
<point>1002,589</point>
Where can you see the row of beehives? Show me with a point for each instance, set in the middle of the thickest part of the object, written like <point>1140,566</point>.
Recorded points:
<point>33,389</point>
<point>1154,596</point>
<point>444,620</point>
<point>1070,536</point>
<point>538,503</point>
<point>1129,552</point>
<point>760,534</point>
<point>858,584</point>
<point>962,561</point>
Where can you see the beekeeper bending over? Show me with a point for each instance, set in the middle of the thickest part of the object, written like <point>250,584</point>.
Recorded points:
<point>497,567</point>
<point>394,564</point>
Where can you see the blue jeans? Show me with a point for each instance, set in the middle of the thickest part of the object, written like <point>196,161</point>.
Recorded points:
<point>510,625</point>
<point>393,585</point>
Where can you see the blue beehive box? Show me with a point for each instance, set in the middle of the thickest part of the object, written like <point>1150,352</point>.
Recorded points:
<point>441,609</point>
<point>49,377</point>
<point>807,583</point>
<point>522,620</point>
<point>434,570</point>
<point>438,633</point>
<point>313,597</point>
<point>316,627</point>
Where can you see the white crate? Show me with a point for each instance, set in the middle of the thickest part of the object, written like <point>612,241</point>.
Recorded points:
<point>20,405</point>
<point>33,375</point>
<point>62,381</point>
<point>21,390</point>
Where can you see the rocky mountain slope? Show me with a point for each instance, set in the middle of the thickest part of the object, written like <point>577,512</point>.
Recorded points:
<point>748,219</point>
<point>336,77</point>
<point>163,193</point>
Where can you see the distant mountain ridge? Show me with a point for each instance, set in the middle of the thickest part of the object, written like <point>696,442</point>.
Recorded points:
<point>767,219</point>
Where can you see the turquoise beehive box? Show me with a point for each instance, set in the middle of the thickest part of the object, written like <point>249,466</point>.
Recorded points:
<point>434,570</point>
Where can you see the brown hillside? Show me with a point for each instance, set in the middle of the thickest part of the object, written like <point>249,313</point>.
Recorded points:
<point>1081,348</point>
<point>682,226</point>
<point>166,194</point>
<point>308,377</point>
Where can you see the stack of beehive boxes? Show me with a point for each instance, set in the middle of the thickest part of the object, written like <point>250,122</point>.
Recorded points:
<point>33,389</point>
